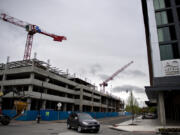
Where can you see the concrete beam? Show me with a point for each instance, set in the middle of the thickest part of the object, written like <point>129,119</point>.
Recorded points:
<point>16,82</point>
<point>19,70</point>
<point>54,76</point>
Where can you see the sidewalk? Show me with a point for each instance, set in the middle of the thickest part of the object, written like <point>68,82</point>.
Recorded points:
<point>140,125</point>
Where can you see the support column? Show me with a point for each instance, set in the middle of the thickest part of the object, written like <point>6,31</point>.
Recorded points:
<point>107,103</point>
<point>73,107</point>
<point>92,102</point>
<point>30,89</point>
<point>44,105</point>
<point>29,104</point>
<point>4,78</point>
<point>45,92</point>
<point>161,109</point>
<point>81,100</point>
<point>65,107</point>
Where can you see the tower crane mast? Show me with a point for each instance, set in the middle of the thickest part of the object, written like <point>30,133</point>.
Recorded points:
<point>105,83</point>
<point>31,29</point>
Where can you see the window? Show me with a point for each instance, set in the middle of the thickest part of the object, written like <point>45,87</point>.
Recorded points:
<point>178,12</point>
<point>166,34</point>
<point>177,2</point>
<point>158,4</point>
<point>164,17</point>
<point>169,51</point>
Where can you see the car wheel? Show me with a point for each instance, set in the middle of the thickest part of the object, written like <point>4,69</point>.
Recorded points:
<point>5,120</point>
<point>68,126</point>
<point>96,131</point>
<point>79,129</point>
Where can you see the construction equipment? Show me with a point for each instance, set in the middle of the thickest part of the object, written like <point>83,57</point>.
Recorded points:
<point>105,83</point>
<point>31,29</point>
<point>20,106</point>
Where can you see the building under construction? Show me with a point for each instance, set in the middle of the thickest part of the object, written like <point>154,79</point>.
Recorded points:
<point>43,87</point>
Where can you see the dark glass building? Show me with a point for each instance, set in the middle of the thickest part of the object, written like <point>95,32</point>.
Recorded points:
<point>162,28</point>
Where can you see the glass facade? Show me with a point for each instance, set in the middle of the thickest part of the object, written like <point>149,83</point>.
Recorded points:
<point>166,52</point>
<point>166,34</point>
<point>169,51</point>
<point>159,4</point>
<point>166,28</point>
<point>164,17</point>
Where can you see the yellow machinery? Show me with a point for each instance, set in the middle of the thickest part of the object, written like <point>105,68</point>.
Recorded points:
<point>20,106</point>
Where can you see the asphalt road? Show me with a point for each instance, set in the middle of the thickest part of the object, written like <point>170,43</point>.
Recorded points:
<point>57,128</point>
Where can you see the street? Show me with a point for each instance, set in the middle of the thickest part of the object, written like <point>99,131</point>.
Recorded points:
<point>59,128</point>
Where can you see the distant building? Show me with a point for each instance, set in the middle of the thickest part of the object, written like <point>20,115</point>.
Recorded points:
<point>162,28</point>
<point>43,87</point>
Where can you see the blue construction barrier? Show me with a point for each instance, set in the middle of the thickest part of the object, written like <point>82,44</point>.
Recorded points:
<point>127,114</point>
<point>26,116</point>
<point>48,115</point>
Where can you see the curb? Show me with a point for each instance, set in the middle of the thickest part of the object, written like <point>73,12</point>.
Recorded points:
<point>119,129</point>
<point>111,127</point>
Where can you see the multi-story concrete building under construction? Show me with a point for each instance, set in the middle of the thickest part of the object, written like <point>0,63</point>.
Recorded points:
<point>43,87</point>
<point>162,27</point>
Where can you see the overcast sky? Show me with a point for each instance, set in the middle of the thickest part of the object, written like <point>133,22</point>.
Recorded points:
<point>102,36</point>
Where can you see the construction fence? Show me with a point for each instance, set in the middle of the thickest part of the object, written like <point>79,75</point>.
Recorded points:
<point>49,115</point>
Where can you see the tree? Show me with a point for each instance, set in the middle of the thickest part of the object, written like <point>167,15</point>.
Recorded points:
<point>132,105</point>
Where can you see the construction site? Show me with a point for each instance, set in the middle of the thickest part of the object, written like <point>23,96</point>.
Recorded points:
<point>34,85</point>
<point>43,87</point>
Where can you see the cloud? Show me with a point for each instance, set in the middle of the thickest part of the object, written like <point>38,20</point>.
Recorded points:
<point>125,88</point>
<point>132,73</point>
<point>103,76</point>
<point>95,68</point>
<point>135,73</point>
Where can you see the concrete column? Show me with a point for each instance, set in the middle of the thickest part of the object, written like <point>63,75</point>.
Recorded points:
<point>4,78</point>
<point>92,102</point>
<point>161,109</point>
<point>73,107</point>
<point>30,89</point>
<point>44,91</point>
<point>29,104</point>
<point>107,103</point>
<point>92,109</point>
<point>44,105</point>
<point>81,100</point>
<point>65,107</point>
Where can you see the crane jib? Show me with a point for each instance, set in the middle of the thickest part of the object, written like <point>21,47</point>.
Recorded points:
<point>31,29</point>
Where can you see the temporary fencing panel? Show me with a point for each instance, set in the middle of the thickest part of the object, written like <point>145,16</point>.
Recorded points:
<point>48,115</point>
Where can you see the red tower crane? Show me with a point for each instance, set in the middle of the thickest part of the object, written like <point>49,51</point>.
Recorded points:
<point>31,29</point>
<point>105,83</point>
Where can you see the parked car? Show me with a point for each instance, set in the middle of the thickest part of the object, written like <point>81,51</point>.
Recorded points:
<point>149,116</point>
<point>82,122</point>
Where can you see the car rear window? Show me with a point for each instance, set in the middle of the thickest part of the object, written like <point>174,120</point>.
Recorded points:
<point>84,116</point>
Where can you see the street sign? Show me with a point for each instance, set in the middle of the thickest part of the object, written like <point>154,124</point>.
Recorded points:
<point>59,104</point>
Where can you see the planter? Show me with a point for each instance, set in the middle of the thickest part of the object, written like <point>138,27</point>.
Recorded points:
<point>169,131</point>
